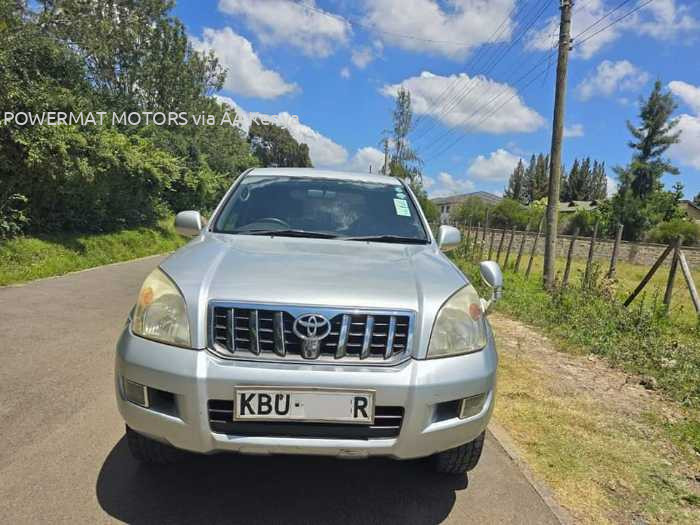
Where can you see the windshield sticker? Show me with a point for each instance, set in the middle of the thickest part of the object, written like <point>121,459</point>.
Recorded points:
<point>401,207</point>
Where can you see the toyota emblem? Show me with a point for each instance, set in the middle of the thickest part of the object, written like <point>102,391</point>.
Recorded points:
<point>311,329</point>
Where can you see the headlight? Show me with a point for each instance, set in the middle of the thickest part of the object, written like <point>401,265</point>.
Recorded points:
<point>460,326</point>
<point>160,311</point>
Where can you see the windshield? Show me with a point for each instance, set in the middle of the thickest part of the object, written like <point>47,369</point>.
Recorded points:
<point>325,208</point>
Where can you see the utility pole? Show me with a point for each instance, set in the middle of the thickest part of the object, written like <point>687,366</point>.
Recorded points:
<point>550,244</point>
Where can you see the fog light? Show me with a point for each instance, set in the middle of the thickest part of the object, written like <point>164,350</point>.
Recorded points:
<point>471,406</point>
<point>136,393</point>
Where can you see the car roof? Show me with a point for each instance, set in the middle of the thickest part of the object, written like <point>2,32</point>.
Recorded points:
<point>324,174</point>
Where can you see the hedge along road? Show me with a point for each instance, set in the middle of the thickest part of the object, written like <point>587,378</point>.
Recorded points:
<point>63,457</point>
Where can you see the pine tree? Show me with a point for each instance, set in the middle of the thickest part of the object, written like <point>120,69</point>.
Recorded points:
<point>540,184</point>
<point>516,189</point>
<point>404,162</point>
<point>599,187</point>
<point>653,137</point>
<point>530,180</point>
<point>640,202</point>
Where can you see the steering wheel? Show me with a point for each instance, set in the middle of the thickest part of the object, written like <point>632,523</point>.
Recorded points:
<point>274,220</point>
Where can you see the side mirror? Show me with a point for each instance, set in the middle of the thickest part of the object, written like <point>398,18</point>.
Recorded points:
<point>493,277</point>
<point>188,223</point>
<point>448,237</point>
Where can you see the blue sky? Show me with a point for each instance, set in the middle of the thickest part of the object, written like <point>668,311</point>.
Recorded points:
<point>336,64</point>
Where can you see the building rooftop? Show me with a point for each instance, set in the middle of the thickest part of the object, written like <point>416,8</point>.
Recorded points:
<point>490,198</point>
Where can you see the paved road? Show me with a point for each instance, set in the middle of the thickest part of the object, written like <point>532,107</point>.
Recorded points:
<point>63,457</point>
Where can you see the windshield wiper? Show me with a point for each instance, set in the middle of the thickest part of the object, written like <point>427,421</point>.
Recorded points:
<point>288,233</point>
<point>388,238</point>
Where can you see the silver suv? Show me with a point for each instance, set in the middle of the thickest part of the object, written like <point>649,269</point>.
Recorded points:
<point>313,314</point>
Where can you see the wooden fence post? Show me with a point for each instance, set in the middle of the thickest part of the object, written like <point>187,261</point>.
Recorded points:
<point>493,236</point>
<point>616,251</point>
<point>591,252</point>
<point>534,248</point>
<point>523,240</point>
<point>569,256</point>
<point>476,241</point>
<point>689,281</point>
<point>510,245</point>
<point>500,245</point>
<point>672,273</point>
<point>649,274</point>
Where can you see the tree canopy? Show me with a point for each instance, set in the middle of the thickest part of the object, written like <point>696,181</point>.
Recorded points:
<point>78,57</point>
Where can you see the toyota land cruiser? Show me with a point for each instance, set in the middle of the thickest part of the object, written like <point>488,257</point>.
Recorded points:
<point>314,313</point>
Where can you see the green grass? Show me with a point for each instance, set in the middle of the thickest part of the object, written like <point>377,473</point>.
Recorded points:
<point>639,339</point>
<point>28,258</point>
<point>605,462</point>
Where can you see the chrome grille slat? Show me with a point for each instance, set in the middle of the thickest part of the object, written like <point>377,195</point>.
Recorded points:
<point>251,331</point>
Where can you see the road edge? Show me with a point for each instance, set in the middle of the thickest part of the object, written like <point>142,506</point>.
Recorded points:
<point>74,272</point>
<point>502,437</point>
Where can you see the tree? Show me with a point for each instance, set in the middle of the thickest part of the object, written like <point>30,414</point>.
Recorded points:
<point>275,146</point>
<point>537,177</point>
<point>136,55</point>
<point>640,202</point>
<point>516,184</point>
<point>404,162</point>
<point>472,210</point>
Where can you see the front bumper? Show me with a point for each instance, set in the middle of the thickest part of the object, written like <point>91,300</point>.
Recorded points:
<point>194,377</point>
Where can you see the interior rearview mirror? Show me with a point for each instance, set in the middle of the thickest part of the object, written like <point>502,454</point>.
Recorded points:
<point>448,237</point>
<point>188,223</point>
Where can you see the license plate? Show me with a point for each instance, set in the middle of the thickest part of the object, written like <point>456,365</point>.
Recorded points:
<point>318,405</point>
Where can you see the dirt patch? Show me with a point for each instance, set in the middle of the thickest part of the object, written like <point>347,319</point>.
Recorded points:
<point>581,375</point>
<point>601,440</point>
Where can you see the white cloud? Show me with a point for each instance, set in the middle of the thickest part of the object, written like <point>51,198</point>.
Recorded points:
<point>445,184</point>
<point>246,74</point>
<point>610,78</point>
<point>585,14</point>
<point>496,167</point>
<point>362,56</point>
<point>322,150</point>
<point>666,20</point>
<point>687,151</point>
<point>469,22</point>
<point>364,158</point>
<point>345,72</point>
<point>661,19</point>
<point>470,113</point>
<point>573,131</point>
<point>281,22</point>
<point>688,93</point>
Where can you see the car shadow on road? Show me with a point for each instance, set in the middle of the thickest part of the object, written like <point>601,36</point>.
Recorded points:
<point>231,488</point>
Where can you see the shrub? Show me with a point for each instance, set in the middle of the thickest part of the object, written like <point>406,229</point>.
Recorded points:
<point>12,217</point>
<point>669,231</point>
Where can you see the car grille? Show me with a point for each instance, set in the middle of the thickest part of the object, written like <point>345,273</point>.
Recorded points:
<point>242,331</point>
<point>387,424</point>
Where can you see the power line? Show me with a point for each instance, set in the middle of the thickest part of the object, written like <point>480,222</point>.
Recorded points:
<point>474,82</point>
<point>475,58</point>
<point>515,93</point>
<point>471,84</point>
<point>455,81</point>
<point>631,12</point>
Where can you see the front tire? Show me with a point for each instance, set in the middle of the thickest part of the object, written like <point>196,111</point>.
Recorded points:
<point>461,459</point>
<point>150,451</point>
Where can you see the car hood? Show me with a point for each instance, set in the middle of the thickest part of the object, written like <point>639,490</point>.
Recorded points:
<point>313,272</point>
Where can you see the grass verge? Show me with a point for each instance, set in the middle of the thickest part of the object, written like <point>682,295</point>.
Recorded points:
<point>639,339</point>
<point>611,451</point>
<point>28,258</point>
